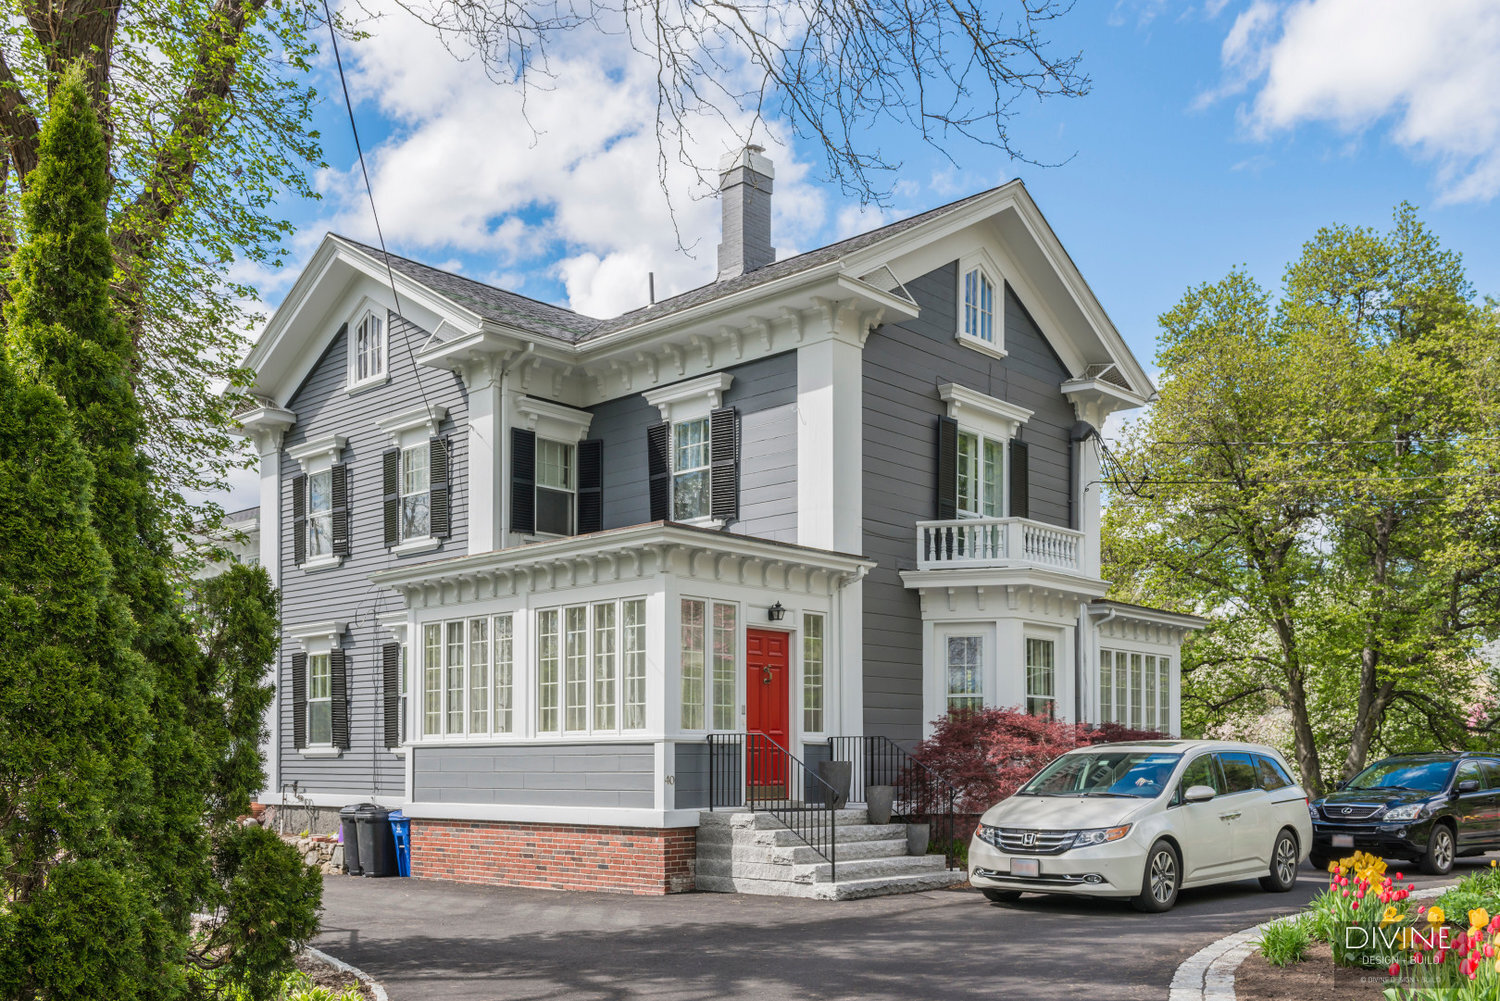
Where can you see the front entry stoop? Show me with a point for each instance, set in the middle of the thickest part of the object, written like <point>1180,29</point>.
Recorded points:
<point>752,852</point>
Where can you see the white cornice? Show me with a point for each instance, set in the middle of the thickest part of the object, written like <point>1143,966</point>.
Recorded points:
<point>968,406</point>
<point>706,388</point>
<point>328,446</point>
<point>429,417</point>
<point>330,633</point>
<point>552,420</point>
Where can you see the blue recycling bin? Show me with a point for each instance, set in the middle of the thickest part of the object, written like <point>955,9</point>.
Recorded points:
<point>401,832</point>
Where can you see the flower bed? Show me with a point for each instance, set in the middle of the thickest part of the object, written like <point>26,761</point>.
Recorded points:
<point>1448,951</point>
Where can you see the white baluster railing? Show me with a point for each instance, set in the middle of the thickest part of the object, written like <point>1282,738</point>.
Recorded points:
<point>993,542</point>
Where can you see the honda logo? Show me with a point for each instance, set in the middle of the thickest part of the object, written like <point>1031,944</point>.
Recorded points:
<point>1028,839</point>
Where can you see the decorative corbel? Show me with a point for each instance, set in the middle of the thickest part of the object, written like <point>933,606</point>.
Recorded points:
<point>794,317</point>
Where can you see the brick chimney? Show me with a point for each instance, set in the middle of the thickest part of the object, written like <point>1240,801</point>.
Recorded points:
<point>745,191</point>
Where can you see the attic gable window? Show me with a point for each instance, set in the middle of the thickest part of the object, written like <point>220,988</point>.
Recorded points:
<point>367,349</point>
<point>980,304</point>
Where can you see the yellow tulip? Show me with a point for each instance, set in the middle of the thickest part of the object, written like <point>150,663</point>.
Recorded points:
<point>1478,918</point>
<point>1390,916</point>
<point>1435,916</point>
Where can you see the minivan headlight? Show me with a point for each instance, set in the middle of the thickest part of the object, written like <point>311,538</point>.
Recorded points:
<point>989,835</point>
<point>1409,812</point>
<point>1100,836</point>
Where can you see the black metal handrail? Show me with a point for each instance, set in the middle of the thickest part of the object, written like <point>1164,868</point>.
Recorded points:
<point>751,770</point>
<point>921,796</point>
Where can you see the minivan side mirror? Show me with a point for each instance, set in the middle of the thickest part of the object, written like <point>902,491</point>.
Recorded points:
<point>1468,785</point>
<point>1199,794</point>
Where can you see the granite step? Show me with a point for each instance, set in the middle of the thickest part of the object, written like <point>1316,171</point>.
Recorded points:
<point>843,889</point>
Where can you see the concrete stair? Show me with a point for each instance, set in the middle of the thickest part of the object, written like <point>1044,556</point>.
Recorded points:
<point>745,852</point>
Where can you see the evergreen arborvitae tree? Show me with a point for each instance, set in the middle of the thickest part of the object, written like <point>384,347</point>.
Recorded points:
<point>173,784</point>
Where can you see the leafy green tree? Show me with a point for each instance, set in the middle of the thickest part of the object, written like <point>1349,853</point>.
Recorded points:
<point>205,103</point>
<point>1318,476</point>
<point>170,755</point>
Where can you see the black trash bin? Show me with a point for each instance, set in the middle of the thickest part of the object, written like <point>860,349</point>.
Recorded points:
<point>348,818</point>
<point>377,845</point>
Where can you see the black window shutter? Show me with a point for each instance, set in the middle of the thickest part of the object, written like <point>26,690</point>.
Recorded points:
<point>390,490</point>
<point>659,468</point>
<point>590,486</point>
<point>522,481</point>
<point>947,469</point>
<point>299,519</point>
<point>338,690</point>
<point>340,509</point>
<point>724,453</point>
<point>1020,481</point>
<point>299,700</point>
<point>438,504</point>
<point>390,672</point>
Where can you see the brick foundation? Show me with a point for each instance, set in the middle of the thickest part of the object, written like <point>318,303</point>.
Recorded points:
<point>640,860</point>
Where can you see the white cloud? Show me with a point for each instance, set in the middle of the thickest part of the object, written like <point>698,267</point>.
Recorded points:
<point>1427,72</point>
<point>565,186</point>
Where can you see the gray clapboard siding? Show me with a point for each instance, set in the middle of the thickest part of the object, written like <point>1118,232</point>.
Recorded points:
<point>599,775</point>
<point>765,392</point>
<point>344,593</point>
<point>903,366</point>
<point>690,775</point>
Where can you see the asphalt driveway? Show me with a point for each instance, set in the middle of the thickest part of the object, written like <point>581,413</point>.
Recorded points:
<point>428,940</point>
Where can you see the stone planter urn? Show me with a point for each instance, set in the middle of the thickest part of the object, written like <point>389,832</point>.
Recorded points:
<point>878,801</point>
<point>917,836</point>
<point>837,774</point>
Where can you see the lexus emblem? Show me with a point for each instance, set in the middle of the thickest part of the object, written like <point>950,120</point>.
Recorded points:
<point>1346,811</point>
<point>1028,839</point>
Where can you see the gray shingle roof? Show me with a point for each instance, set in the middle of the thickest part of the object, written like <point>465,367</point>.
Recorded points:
<point>542,318</point>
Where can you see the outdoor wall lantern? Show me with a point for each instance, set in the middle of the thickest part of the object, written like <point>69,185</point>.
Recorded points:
<point>776,612</point>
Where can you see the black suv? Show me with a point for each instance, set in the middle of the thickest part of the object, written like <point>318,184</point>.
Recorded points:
<point>1428,808</point>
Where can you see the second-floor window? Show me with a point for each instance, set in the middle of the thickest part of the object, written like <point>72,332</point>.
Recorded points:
<point>416,514</point>
<point>691,462</point>
<point>368,351</point>
<point>981,475</point>
<point>555,487</point>
<point>320,514</point>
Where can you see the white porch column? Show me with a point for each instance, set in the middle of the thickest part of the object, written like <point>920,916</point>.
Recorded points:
<point>830,488</point>
<point>1089,491</point>
<point>486,431</point>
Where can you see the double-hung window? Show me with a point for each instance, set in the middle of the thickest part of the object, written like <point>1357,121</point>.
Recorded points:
<point>416,514</point>
<point>691,460</point>
<point>556,487</point>
<point>319,700</point>
<point>710,658</point>
<point>591,667</point>
<point>1041,677</point>
<point>965,663</point>
<point>812,672</point>
<point>320,514</point>
<point>368,351</point>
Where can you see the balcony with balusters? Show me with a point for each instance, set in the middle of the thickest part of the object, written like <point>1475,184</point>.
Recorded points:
<point>978,543</point>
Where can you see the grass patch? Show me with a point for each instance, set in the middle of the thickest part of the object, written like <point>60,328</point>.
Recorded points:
<point>1285,942</point>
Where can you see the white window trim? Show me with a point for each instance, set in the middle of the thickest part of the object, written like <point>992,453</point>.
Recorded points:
<point>990,417</point>
<point>553,421</point>
<point>318,639</point>
<point>353,384</point>
<point>1053,637</point>
<point>690,400</point>
<point>409,428</point>
<point>318,456</point>
<point>981,259</point>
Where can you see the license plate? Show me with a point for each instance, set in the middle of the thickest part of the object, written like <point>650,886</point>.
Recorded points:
<point>1343,841</point>
<point>1025,868</point>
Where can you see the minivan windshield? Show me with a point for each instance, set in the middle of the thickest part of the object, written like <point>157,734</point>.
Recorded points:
<point>1136,774</point>
<point>1416,774</point>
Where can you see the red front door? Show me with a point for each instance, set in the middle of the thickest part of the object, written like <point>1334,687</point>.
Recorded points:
<point>767,702</point>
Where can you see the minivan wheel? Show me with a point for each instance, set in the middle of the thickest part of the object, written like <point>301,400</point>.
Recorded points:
<point>1001,896</point>
<point>1283,874</point>
<point>1439,858</point>
<point>1319,861</point>
<point>1161,880</point>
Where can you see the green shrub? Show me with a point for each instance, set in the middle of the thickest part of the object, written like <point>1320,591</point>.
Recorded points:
<point>1285,942</point>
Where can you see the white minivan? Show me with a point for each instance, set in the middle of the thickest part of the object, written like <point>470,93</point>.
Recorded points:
<point>1143,820</point>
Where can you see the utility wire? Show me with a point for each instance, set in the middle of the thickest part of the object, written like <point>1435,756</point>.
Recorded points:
<point>385,255</point>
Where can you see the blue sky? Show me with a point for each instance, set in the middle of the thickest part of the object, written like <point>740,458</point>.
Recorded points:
<point>1216,134</point>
